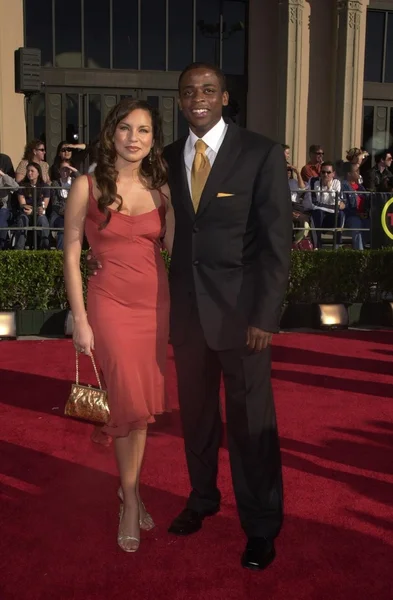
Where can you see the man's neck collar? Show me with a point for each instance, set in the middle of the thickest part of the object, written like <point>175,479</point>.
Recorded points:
<point>220,123</point>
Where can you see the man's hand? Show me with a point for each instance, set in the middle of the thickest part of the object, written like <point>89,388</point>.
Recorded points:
<point>27,209</point>
<point>40,211</point>
<point>92,264</point>
<point>257,339</point>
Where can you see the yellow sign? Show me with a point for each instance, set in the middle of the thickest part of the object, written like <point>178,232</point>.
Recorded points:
<point>388,231</point>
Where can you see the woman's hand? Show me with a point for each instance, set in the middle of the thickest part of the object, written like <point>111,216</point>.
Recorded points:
<point>92,264</point>
<point>83,337</point>
<point>27,209</point>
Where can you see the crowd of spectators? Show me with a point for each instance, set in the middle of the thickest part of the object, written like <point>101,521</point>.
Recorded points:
<point>35,194</point>
<point>337,195</point>
<point>325,195</point>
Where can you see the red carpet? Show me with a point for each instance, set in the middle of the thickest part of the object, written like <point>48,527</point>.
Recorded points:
<point>334,396</point>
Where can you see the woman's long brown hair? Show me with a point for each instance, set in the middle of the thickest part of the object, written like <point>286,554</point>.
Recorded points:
<point>153,168</point>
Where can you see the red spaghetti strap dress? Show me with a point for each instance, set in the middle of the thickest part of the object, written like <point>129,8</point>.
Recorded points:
<point>128,310</point>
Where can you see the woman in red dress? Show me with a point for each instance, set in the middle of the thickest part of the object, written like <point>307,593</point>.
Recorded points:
<point>126,213</point>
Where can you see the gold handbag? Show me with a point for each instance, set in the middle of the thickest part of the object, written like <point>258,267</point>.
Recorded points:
<point>86,402</point>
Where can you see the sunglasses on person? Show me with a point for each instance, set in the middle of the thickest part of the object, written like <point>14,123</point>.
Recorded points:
<point>40,149</point>
<point>320,153</point>
<point>65,149</point>
<point>326,172</point>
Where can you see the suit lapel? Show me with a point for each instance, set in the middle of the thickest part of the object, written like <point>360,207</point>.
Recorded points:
<point>224,163</point>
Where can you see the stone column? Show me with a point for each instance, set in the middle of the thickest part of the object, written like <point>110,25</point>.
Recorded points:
<point>350,50</point>
<point>293,76</point>
<point>12,116</point>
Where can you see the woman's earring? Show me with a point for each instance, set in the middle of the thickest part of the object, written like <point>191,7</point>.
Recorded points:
<point>151,156</point>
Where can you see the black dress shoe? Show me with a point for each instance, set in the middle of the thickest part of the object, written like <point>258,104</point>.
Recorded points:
<point>259,553</point>
<point>189,521</point>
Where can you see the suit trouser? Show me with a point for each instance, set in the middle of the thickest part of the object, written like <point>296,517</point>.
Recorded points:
<point>251,429</point>
<point>321,219</point>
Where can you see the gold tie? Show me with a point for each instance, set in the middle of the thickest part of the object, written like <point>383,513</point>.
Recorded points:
<point>199,173</point>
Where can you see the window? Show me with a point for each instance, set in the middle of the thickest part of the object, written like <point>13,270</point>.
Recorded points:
<point>208,31</point>
<point>38,24</point>
<point>379,47</point>
<point>180,34</point>
<point>389,50</point>
<point>154,101</point>
<point>125,34</point>
<point>39,114</point>
<point>153,26</point>
<point>368,128</point>
<point>94,117</point>
<point>152,34</point>
<point>96,30</point>
<point>68,38</point>
<point>234,38</point>
<point>374,45</point>
<point>391,127</point>
<point>72,118</point>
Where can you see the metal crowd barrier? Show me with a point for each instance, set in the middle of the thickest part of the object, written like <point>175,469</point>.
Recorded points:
<point>15,209</point>
<point>381,232</point>
<point>379,203</point>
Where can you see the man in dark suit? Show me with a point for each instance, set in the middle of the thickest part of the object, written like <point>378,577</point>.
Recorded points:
<point>228,276</point>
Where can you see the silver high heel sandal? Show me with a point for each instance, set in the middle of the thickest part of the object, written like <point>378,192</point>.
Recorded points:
<point>147,523</point>
<point>123,539</point>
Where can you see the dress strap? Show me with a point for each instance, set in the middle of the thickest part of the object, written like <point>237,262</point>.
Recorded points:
<point>90,182</point>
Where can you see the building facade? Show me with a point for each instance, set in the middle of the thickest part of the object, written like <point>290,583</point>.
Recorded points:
<point>299,71</point>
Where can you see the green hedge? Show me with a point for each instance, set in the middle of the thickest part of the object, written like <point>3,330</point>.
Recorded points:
<point>345,276</point>
<point>34,280</point>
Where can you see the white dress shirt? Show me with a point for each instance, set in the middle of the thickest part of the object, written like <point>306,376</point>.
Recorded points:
<point>213,139</point>
<point>323,196</point>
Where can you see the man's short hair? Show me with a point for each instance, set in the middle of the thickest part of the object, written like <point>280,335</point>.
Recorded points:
<point>285,147</point>
<point>328,163</point>
<point>314,148</point>
<point>381,156</point>
<point>205,65</point>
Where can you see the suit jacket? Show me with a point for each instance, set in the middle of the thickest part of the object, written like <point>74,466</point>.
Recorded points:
<point>231,259</point>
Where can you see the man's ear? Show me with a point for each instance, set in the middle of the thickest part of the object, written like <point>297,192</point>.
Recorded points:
<point>225,99</point>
